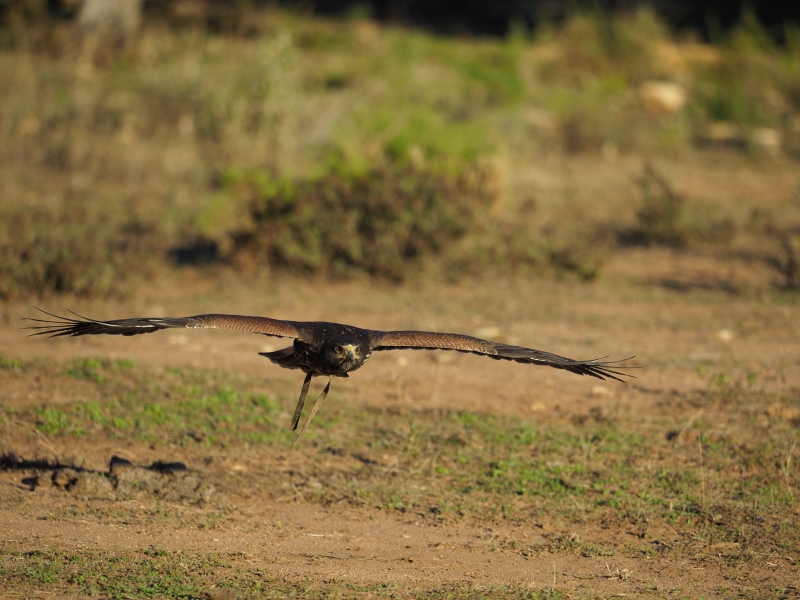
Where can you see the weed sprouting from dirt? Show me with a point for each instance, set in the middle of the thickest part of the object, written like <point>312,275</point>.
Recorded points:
<point>158,573</point>
<point>52,421</point>
<point>145,573</point>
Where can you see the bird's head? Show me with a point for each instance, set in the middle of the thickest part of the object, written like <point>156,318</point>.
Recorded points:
<point>345,352</point>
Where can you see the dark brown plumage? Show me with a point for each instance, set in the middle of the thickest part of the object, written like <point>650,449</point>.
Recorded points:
<point>327,349</point>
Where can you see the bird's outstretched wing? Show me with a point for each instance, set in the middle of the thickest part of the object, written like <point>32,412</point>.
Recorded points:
<point>58,326</point>
<point>427,340</point>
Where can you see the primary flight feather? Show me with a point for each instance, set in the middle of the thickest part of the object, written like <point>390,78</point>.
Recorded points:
<point>327,349</point>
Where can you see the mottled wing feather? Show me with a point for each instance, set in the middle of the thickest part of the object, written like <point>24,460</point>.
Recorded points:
<point>427,340</point>
<point>431,340</point>
<point>60,326</point>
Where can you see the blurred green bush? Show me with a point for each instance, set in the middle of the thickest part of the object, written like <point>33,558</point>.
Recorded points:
<point>380,222</point>
<point>666,217</point>
<point>394,221</point>
<point>82,252</point>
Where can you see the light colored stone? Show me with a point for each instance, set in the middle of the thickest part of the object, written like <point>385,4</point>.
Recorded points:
<point>722,133</point>
<point>663,97</point>
<point>767,139</point>
<point>725,335</point>
<point>601,390</point>
<point>92,485</point>
<point>115,21</point>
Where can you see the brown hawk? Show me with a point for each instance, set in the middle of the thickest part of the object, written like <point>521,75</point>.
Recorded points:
<point>328,349</point>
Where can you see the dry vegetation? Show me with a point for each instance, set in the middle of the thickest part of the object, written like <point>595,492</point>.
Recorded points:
<point>310,144</point>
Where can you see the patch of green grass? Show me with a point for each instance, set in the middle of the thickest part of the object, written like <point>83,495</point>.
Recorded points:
<point>153,573</point>
<point>143,574</point>
<point>455,465</point>
<point>52,421</point>
<point>86,369</point>
<point>10,363</point>
<point>186,404</point>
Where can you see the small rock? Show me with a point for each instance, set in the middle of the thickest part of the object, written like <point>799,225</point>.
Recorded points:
<point>600,390</point>
<point>722,133</point>
<point>767,139</point>
<point>91,485</point>
<point>663,97</point>
<point>131,483</point>
<point>166,480</point>
<point>64,477</point>
<point>725,335</point>
<point>118,465</point>
<point>187,485</point>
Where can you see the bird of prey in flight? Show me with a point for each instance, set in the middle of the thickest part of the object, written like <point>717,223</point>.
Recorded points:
<point>327,349</point>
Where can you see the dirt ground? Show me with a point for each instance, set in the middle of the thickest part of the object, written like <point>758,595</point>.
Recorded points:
<point>672,309</point>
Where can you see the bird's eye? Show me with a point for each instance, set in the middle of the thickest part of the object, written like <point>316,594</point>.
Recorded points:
<point>338,348</point>
<point>358,349</point>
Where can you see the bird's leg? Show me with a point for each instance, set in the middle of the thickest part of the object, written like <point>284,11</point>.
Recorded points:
<point>299,410</point>
<point>314,410</point>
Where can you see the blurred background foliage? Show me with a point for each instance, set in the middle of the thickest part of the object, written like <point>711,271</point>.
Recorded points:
<point>258,139</point>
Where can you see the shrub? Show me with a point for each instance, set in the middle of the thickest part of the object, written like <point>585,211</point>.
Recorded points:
<point>661,211</point>
<point>71,251</point>
<point>789,262</point>
<point>395,221</point>
<point>665,217</point>
<point>381,222</point>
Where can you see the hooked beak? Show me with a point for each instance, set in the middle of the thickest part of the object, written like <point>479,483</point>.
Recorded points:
<point>350,352</point>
